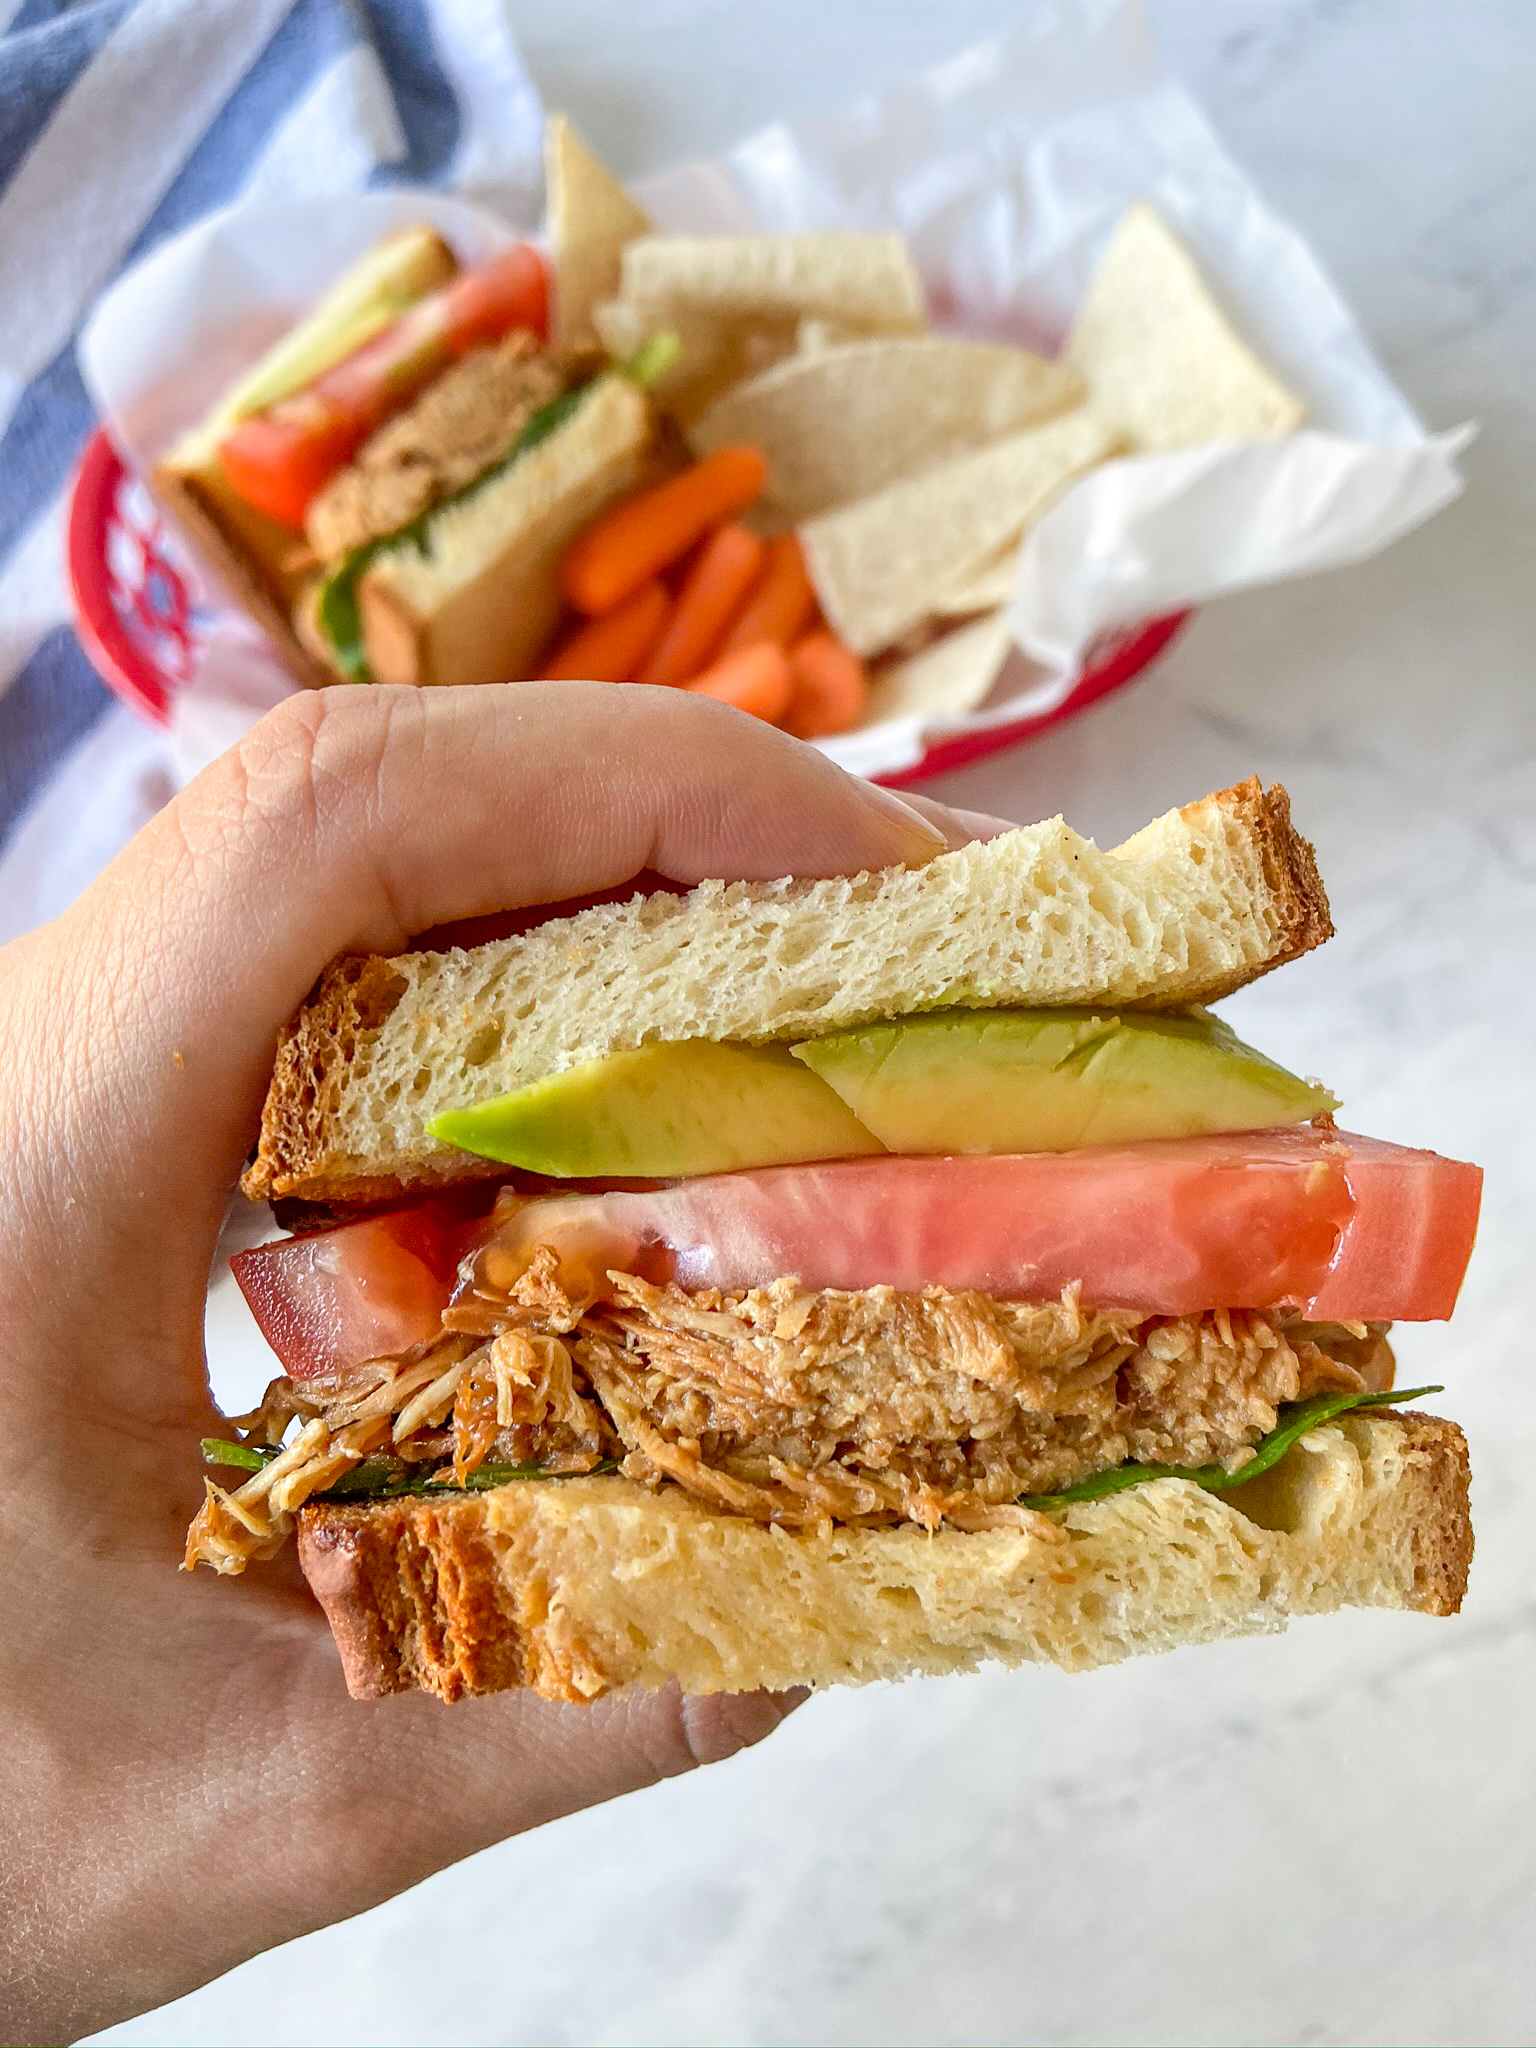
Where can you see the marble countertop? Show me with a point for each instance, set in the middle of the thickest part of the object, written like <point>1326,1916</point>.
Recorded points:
<point>1324,1838</point>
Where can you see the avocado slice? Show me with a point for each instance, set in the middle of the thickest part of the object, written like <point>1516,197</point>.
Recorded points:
<point>377,289</point>
<point>662,1111</point>
<point>1049,1080</point>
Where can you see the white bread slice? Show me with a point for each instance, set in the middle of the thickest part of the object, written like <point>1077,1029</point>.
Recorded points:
<point>479,605</point>
<point>582,1587</point>
<point>242,551</point>
<point>1200,902</point>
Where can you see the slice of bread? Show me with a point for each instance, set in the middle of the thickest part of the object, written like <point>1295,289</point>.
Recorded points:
<point>479,603</point>
<point>1194,906</point>
<point>241,551</point>
<point>582,1587</point>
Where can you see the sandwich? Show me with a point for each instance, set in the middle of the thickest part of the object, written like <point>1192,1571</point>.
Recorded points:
<point>388,490</point>
<point>823,1281</point>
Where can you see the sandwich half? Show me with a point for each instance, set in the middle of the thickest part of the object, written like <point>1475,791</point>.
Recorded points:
<point>816,1282</point>
<point>388,489</point>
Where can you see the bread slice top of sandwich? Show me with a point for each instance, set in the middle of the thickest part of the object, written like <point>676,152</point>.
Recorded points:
<point>1195,905</point>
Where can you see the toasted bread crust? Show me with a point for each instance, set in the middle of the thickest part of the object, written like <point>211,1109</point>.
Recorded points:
<point>1442,1551</point>
<point>1290,870</point>
<point>348,1004</point>
<point>235,572</point>
<point>581,1587</point>
<point>304,1149</point>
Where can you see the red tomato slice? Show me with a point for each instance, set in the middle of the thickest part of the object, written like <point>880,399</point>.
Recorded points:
<point>279,459</point>
<point>1346,1229</point>
<point>1342,1227</point>
<point>511,292</point>
<point>1405,1253</point>
<point>333,1298</point>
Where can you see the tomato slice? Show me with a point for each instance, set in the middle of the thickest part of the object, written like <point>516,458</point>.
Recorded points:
<point>483,304</point>
<point>333,1298</point>
<point>1345,1229</point>
<point>278,460</point>
<point>1337,1226</point>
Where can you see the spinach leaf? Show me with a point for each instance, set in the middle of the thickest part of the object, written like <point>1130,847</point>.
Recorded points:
<point>390,1478</point>
<point>248,1457</point>
<point>1297,1417</point>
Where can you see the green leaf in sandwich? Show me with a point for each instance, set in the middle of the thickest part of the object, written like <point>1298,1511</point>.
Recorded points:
<point>1296,1418</point>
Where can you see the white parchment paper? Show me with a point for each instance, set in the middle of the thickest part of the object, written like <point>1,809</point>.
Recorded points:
<point>1007,168</point>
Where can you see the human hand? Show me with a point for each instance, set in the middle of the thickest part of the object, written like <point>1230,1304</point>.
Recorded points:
<point>188,1782</point>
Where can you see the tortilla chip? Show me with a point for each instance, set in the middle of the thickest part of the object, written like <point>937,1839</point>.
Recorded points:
<point>947,679</point>
<point>1158,354</point>
<point>983,587</point>
<point>883,564</point>
<point>867,281</point>
<point>591,217</point>
<point>739,302</point>
<point>841,423</point>
<point>814,333</point>
<point>710,358</point>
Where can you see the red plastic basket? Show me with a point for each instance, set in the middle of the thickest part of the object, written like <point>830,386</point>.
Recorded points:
<point>141,620</point>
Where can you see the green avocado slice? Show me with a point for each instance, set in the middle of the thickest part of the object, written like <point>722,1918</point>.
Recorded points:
<point>662,1111</point>
<point>1051,1080</point>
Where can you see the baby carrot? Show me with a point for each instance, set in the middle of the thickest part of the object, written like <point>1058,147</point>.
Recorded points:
<point>754,679</point>
<point>614,648</point>
<point>781,603</point>
<point>829,686</point>
<point>726,566</point>
<point>628,545</point>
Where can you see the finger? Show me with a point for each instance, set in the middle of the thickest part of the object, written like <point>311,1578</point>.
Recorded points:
<point>960,828</point>
<point>720,1724</point>
<point>421,1789</point>
<point>349,819</point>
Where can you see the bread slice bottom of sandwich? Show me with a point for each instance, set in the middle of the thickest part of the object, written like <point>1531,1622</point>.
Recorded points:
<point>590,1586</point>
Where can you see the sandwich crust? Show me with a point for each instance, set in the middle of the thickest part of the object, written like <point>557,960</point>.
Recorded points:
<point>1261,818</point>
<point>581,1587</point>
<point>239,573</point>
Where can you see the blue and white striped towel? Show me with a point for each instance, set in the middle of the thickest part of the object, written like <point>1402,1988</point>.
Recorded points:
<point>121,122</point>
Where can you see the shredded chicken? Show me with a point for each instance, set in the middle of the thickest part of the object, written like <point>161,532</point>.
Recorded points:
<point>795,1407</point>
<point>464,421</point>
<point>519,1405</point>
<point>798,1407</point>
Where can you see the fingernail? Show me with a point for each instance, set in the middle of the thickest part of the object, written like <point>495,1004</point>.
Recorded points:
<point>927,839</point>
<point>984,825</point>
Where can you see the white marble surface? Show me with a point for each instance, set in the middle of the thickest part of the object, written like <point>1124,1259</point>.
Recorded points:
<point>1325,1838</point>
